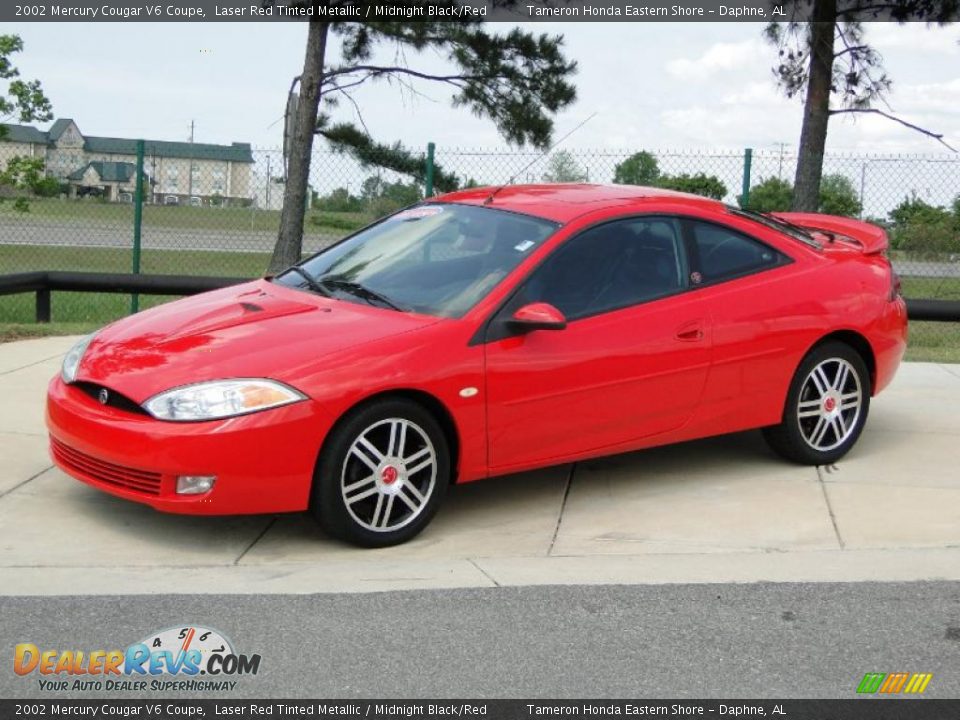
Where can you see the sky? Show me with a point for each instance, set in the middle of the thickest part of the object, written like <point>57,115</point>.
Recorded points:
<point>653,86</point>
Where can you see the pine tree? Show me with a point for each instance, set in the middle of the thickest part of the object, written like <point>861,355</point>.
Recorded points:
<point>823,55</point>
<point>518,80</point>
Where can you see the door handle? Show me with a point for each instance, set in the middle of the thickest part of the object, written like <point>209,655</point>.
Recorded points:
<point>691,332</point>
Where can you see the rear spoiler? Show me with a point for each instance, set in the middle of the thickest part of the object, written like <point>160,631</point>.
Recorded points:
<point>871,239</point>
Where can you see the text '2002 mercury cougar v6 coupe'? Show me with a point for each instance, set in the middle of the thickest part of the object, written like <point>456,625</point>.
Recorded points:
<point>481,333</point>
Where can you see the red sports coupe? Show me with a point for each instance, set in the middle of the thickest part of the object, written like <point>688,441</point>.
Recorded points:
<point>481,333</point>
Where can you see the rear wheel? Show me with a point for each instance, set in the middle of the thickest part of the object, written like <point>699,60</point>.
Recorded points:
<point>382,474</point>
<point>827,406</point>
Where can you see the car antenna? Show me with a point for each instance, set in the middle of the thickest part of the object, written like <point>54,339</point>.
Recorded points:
<point>533,162</point>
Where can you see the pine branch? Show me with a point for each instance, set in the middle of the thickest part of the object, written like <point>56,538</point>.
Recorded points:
<point>349,139</point>
<point>929,133</point>
<point>377,70</point>
<point>850,48</point>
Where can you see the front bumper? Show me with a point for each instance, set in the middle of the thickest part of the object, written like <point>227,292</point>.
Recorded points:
<point>263,462</point>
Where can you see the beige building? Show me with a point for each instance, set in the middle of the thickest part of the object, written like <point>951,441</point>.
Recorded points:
<point>177,173</point>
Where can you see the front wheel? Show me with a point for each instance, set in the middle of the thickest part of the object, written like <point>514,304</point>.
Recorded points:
<point>826,408</point>
<point>382,474</point>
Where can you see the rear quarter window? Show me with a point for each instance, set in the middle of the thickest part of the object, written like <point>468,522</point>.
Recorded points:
<point>723,253</point>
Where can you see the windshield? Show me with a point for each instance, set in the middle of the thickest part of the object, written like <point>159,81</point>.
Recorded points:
<point>794,231</point>
<point>432,258</point>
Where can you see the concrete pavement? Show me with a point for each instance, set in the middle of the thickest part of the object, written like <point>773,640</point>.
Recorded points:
<point>718,510</point>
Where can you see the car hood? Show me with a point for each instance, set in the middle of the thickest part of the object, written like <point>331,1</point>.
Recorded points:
<point>257,329</point>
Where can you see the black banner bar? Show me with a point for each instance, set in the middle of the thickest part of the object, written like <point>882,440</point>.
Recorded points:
<point>123,11</point>
<point>873,708</point>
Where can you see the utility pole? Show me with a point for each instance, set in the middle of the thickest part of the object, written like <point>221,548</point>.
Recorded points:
<point>190,181</point>
<point>269,181</point>
<point>782,145</point>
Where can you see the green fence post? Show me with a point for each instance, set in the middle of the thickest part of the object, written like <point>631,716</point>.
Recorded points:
<point>137,223</point>
<point>429,178</point>
<point>747,161</point>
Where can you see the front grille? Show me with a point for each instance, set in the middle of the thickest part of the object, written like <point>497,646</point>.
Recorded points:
<point>115,399</point>
<point>140,481</point>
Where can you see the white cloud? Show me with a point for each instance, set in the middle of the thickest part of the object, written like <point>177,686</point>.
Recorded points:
<point>916,37</point>
<point>720,57</point>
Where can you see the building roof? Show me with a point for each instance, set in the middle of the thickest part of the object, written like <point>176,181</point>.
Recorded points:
<point>235,152</point>
<point>108,171</point>
<point>25,134</point>
<point>563,202</point>
<point>58,128</point>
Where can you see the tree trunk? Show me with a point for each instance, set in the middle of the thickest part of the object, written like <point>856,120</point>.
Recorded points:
<point>290,240</point>
<point>816,108</point>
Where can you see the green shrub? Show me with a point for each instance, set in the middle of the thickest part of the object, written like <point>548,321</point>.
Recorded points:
<point>340,200</point>
<point>770,195</point>
<point>46,187</point>
<point>913,209</point>
<point>838,196</point>
<point>700,184</point>
<point>639,169</point>
<point>927,237</point>
<point>337,222</point>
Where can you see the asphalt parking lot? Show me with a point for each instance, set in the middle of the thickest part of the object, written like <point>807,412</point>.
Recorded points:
<point>718,510</point>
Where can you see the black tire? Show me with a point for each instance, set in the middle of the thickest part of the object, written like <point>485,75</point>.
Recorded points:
<point>819,437</point>
<point>379,483</point>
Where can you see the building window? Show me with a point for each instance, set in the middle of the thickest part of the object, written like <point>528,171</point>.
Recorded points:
<point>219,178</point>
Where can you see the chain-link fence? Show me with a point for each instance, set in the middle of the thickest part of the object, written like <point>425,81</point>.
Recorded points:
<point>216,211</point>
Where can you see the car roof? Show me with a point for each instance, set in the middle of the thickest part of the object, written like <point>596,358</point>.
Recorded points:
<point>562,202</point>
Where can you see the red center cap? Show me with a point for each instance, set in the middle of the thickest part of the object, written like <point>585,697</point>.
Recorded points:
<point>389,475</point>
<point>829,404</point>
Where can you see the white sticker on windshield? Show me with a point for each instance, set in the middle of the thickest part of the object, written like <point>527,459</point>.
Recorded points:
<point>524,246</point>
<point>418,212</point>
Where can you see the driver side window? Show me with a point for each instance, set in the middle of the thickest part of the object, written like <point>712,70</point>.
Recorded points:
<point>612,266</point>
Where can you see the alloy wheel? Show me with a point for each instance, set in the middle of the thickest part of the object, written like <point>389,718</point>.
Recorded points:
<point>388,475</point>
<point>829,406</point>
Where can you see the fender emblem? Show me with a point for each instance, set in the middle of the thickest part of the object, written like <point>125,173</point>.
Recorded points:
<point>104,396</point>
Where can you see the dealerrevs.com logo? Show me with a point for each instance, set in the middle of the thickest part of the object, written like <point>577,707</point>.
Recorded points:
<point>189,657</point>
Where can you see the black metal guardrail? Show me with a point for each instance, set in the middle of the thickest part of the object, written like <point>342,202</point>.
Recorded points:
<point>43,283</point>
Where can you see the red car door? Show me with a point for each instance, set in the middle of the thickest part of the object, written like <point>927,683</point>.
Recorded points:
<point>631,362</point>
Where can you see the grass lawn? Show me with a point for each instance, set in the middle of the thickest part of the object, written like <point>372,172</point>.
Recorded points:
<point>77,312</point>
<point>25,258</point>
<point>934,342</point>
<point>931,288</point>
<point>17,331</point>
<point>929,341</point>
<point>100,308</point>
<point>224,219</point>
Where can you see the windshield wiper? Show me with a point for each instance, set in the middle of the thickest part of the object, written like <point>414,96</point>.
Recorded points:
<point>798,228</point>
<point>355,288</point>
<point>311,280</point>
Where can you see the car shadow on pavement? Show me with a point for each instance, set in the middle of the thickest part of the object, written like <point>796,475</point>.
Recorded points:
<point>57,521</point>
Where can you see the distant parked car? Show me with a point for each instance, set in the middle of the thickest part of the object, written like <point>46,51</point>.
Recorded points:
<point>481,333</point>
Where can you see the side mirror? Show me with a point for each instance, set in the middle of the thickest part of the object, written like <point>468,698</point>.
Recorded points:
<point>538,316</point>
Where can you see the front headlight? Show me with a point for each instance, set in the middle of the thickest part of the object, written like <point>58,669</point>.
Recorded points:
<point>71,362</point>
<point>220,399</point>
